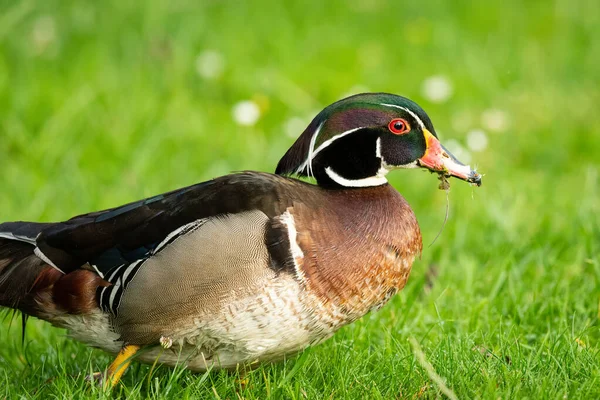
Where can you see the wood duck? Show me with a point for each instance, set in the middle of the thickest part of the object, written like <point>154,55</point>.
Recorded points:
<point>245,268</point>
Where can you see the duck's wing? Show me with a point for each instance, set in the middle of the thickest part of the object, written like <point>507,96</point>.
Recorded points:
<point>107,239</point>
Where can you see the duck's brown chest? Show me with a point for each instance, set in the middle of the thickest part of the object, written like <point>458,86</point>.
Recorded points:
<point>353,249</point>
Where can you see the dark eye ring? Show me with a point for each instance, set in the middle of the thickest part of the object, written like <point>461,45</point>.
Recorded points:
<point>398,126</point>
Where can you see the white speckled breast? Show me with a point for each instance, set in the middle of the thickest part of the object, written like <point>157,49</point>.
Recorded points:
<point>276,322</point>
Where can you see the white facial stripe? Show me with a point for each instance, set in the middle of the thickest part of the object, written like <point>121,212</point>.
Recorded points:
<point>329,141</point>
<point>311,148</point>
<point>312,153</point>
<point>421,124</point>
<point>376,180</point>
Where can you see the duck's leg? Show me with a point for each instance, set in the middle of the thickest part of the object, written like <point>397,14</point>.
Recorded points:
<point>118,367</point>
<point>242,378</point>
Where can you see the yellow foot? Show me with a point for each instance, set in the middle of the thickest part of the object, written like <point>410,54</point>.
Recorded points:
<point>118,367</point>
<point>242,382</point>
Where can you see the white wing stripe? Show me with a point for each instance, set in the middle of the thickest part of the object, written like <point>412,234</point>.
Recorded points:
<point>110,278</point>
<point>129,269</point>
<point>45,259</point>
<point>181,230</point>
<point>11,236</point>
<point>113,293</point>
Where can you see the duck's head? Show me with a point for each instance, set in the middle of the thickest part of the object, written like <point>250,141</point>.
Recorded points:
<point>356,141</point>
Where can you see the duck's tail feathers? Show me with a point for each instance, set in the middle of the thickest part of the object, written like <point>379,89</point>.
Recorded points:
<point>20,268</point>
<point>30,283</point>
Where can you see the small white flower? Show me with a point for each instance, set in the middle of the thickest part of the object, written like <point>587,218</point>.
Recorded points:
<point>246,113</point>
<point>43,33</point>
<point>166,342</point>
<point>477,140</point>
<point>294,127</point>
<point>210,64</point>
<point>495,120</point>
<point>458,151</point>
<point>462,121</point>
<point>437,89</point>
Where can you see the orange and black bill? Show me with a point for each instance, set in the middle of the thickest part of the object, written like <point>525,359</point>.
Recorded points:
<point>438,159</point>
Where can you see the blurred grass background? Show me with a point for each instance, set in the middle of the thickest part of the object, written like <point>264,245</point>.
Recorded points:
<point>106,102</point>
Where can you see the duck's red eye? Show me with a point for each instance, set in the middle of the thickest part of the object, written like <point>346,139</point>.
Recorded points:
<point>398,126</point>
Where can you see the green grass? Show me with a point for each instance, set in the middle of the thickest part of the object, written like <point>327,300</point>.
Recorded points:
<point>101,104</point>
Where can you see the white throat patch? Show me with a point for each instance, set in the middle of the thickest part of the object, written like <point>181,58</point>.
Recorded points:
<point>364,182</point>
<point>377,180</point>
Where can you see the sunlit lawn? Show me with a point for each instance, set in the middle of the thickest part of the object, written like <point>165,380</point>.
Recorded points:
<point>102,103</point>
